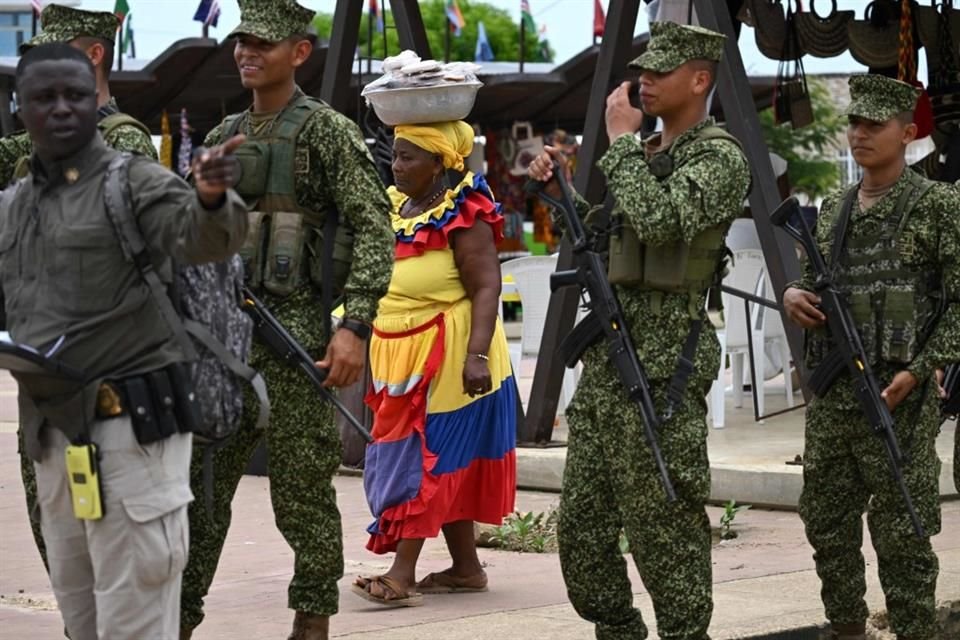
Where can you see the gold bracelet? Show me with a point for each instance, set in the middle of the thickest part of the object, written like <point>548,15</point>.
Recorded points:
<point>482,356</point>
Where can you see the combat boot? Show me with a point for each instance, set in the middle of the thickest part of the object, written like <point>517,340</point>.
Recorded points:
<point>309,626</point>
<point>857,631</point>
<point>185,634</point>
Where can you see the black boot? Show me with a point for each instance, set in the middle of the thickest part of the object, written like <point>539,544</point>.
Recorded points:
<point>309,626</point>
<point>856,631</point>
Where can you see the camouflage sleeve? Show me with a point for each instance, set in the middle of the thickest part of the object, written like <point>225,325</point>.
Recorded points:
<point>583,207</point>
<point>825,217</point>
<point>133,140</point>
<point>12,149</point>
<point>943,345</point>
<point>340,158</point>
<point>215,136</point>
<point>705,191</point>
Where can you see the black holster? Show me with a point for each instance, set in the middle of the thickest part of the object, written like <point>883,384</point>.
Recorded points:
<point>161,403</point>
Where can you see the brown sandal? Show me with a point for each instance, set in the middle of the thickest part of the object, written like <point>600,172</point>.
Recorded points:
<point>387,585</point>
<point>445,582</point>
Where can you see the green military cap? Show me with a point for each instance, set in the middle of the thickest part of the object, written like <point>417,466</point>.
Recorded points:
<point>273,20</point>
<point>880,98</point>
<point>63,24</point>
<point>672,44</point>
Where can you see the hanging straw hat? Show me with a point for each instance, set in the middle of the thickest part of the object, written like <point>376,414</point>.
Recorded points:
<point>824,37</point>
<point>929,28</point>
<point>874,41</point>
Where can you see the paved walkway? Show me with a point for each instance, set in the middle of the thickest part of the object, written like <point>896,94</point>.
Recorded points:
<point>764,580</point>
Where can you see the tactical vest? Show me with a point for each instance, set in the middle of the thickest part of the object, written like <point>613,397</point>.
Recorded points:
<point>107,126</point>
<point>678,267</point>
<point>894,306</point>
<point>284,244</point>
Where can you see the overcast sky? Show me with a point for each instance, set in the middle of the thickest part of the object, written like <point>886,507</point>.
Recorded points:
<point>157,23</point>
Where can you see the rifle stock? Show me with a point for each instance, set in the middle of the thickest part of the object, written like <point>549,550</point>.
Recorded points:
<point>848,353</point>
<point>605,319</point>
<point>292,354</point>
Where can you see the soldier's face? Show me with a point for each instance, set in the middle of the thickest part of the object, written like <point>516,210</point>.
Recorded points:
<point>263,63</point>
<point>666,93</point>
<point>876,144</point>
<point>58,106</point>
<point>415,170</point>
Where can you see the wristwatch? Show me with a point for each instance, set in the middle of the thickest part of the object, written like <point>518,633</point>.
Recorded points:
<point>361,329</point>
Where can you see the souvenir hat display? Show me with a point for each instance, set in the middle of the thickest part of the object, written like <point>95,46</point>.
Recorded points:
<point>824,37</point>
<point>874,40</point>
<point>415,91</point>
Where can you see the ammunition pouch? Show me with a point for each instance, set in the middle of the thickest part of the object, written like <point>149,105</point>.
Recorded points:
<point>342,256</point>
<point>160,403</point>
<point>254,159</point>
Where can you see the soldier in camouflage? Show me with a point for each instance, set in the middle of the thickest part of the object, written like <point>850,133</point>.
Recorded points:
<point>678,190</point>
<point>91,32</point>
<point>302,161</point>
<point>898,266</point>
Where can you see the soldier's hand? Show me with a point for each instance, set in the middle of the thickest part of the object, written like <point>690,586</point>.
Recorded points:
<point>541,169</point>
<point>940,389</point>
<point>801,308</point>
<point>344,359</point>
<point>621,117</point>
<point>900,387</point>
<point>216,169</point>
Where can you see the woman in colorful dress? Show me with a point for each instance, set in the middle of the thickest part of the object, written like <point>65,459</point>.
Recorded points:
<point>443,396</point>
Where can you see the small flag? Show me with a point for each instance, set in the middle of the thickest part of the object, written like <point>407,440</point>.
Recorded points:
<point>454,17</point>
<point>376,15</point>
<point>526,17</point>
<point>129,46</point>
<point>186,145</point>
<point>598,19</point>
<point>166,141</point>
<point>37,6</point>
<point>208,12</point>
<point>121,9</point>
<point>483,53</point>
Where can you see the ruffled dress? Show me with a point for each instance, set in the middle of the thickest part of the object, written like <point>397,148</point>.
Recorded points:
<point>438,455</point>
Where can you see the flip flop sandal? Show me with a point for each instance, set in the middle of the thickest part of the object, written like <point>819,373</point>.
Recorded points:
<point>405,598</point>
<point>443,582</point>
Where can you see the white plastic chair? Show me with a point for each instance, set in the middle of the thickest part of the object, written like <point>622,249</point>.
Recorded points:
<point>532,277</point>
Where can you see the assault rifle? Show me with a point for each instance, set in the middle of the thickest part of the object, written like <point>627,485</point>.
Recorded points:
<point>291,353</point>
<point>848,353</point>
<point>951,384</point>
<point>605,320</point>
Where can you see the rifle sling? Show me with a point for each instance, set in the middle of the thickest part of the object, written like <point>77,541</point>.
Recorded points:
<point>326,292</point>
<point>685,364</point>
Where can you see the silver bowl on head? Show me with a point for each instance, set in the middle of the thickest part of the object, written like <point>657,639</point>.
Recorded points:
<point>421,105</point>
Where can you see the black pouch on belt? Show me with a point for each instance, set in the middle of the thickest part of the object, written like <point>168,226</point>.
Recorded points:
<point>163,402</point>
<point>143,416</point>
<point>186,403</point>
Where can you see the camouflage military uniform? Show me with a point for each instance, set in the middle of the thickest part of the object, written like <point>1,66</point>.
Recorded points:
<point>303,444</point>
<point>63,24</point>
<point>611,481</point>
<point>846,471</point>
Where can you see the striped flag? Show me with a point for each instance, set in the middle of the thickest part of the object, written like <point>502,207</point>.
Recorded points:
<point>376,15</point>
<point>454,17</point>
<point>37,6</point>
<point>208,12</point>
<point>526,17</point>
<point>121,9</point>
<point>185,159</point>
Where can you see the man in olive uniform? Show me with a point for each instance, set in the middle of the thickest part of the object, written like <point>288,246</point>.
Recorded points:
<point>92,32</point>
<point>897,265</point>
<point>678,190</point>
<point>116,433</point>
<point>302,162</point>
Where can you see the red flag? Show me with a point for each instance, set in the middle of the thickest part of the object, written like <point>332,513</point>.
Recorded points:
<point>598,19</point>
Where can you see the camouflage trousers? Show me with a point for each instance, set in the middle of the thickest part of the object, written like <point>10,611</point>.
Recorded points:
<point>846,473</point>
<point>29,476</point>
<point>304,453</point>
<point>611,484</point>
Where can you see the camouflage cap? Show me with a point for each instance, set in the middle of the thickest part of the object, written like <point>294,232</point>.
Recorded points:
<point>880,98</point>
<point>63,24</point>
<point>273,20</point>
<point>672,44</point>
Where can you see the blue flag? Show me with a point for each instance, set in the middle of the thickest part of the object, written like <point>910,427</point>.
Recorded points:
<point>483,53</point>
<point>208,12</point>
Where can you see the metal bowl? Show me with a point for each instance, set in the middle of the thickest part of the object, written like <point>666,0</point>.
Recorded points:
<point>420,105</point>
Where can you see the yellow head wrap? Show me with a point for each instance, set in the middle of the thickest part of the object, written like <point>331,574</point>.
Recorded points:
<point>451,140</point>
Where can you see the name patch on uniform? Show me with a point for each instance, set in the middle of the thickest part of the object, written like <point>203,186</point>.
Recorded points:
<point>301,162</point>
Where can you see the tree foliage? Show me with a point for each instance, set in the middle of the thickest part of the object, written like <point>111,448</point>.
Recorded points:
<point>502,33</point>
<point>808,151</point>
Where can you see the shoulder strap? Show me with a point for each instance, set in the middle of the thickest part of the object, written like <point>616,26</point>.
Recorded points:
<point>120,211</point>
<point>713,132</point>
<point>109,124</point>
<point>231,125</point>
<point>919,186</point>
<point>840,226</point>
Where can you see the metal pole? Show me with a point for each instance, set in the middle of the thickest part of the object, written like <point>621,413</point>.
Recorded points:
<point>523,44</point>
<point>446,40</point>
<point>370,43</point>
<point>206,30</point>
<point>120,46</point>
<point>410,29</point>
<point>338,67</point>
